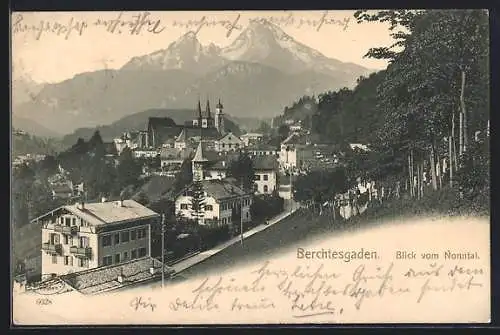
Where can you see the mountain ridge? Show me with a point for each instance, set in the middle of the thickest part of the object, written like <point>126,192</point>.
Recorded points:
<point>255,83</point>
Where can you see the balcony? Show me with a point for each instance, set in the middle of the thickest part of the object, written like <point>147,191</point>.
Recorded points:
<point>66,230</point>
<point>51,248</point>
<point>84,252</point>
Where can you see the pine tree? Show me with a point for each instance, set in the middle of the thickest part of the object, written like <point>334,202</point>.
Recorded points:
<point>198,201</point>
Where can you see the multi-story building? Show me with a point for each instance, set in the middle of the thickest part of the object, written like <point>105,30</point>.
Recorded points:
<point>90,235</point>
<point>251,138</point>
<point>229,142</point>
<point>224,201</point>
<point>295,151</point>
<point>266,171</point>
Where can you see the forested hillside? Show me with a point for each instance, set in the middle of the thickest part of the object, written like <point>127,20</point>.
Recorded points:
<point>427,111</point>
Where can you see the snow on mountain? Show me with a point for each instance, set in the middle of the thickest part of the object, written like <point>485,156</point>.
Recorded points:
<point>186,53</point>
<point>265,43</point>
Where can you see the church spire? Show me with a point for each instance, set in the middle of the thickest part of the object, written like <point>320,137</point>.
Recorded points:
<point>199,109</point>
<point>208,109</point>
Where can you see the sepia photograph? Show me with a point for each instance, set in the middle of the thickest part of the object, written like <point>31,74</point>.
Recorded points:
<point>250,167</point>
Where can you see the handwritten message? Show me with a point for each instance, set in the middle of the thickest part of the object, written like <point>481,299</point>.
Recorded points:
<point>313,289</point>
<point>148,23</point>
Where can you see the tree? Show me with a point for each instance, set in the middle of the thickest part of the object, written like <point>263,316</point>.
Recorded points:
<point>128,170</point>
<point>242,170</point>
<point>283,131</point>
<point>439,71</point>
<point>184,177</point>
<point>197,201</point>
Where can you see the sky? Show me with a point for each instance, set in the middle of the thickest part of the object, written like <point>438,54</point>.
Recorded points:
<point>76,42</point>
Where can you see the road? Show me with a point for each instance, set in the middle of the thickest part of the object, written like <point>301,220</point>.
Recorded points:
<point>284,235</point>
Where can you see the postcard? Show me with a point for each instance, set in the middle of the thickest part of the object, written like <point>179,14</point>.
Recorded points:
<point>250,167</point>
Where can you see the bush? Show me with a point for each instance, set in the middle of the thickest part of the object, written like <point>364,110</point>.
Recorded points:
<point>210,237</point>
<point>266,206</point>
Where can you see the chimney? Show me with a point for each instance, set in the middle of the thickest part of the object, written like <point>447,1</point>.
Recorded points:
<point>103,199</point>
<point>81,205</point>
<point>119,203</point>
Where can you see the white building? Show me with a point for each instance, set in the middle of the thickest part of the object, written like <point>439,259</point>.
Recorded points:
<point>250,138</point>
<point>266,171</point>
<point>90,235</point>
<point>294,152</point>
<point>224,201</point>
<point>145,153</point>
<point>229,142</point>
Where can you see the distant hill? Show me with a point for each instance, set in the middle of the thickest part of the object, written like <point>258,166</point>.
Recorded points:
<point>258,74</point>
<point>28,144</point>
<point>33,127</point>
<point>139,121</point>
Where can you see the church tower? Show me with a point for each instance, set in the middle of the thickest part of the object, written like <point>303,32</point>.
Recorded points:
<point>198,117</point>
<point>219,118</point>
<point>206,123</point>
<point>198,163</point>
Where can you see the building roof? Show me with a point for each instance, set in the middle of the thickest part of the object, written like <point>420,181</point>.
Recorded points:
<point>156,187</point>
<point>265,163</point>
<point>182,136</point>
<point>110,148</point>
<point>102,213</point>
<point>262,147</point>
<point>62,188</point>
<point>103,279</point>
<point>171,153</point>
<point>252,135</point>
<point>222,189</point>
<point>198,155</point>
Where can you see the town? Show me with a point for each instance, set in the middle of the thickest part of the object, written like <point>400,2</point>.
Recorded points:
<point>195,184</point>
<point>160,198</point>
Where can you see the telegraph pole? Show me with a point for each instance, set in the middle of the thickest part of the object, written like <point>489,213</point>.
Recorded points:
<point>241,217</point>
<point>162,250</point>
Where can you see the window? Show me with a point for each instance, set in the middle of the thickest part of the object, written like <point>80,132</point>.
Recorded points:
<point>125,236</point>
<point>68,260</point>
<point>141,233</point>
<point>117,238</point>
<point>184,206</point>
<point>265,188</point>
<point>66,239</point>
<point>266,177</point>
<point>62,220</point>
<point>142,252</point>
<point>117,258</point>
<point>208,207</point>
<point>68,222</point>
<point>125,256</point>
<point>133,235</point>
<point>54,259</point>
<point>84,263</point>
<point>106,241</point>
<point>248,215</point>
<point>257,177</point>
<point>74,221</point>
<point>134,254</point>
<point>106,260</point>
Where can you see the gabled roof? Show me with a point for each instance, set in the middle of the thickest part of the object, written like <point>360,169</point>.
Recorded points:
<point>198,155</point>
<point>102,213</point>
<point>265,163</point>
<point>222,189</point>
<point>229,137</point>
<point>182,136</point>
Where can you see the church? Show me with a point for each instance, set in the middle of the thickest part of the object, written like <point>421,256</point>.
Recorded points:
<point>204,125</point>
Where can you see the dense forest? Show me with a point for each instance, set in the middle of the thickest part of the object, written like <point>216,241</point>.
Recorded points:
<point>431,104</point>
<point>29,144</point>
